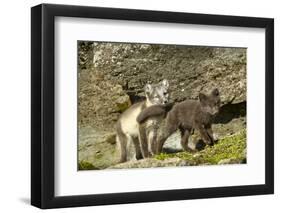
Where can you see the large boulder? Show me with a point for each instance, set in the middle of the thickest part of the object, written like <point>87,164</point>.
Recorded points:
<point>189,70</point>
<point>110,73</point>
<point>100,101</point>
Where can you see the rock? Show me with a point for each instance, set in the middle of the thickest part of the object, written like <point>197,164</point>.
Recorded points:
<point>100,101</point>
<point>96,147</point>
<point>115,71</point>
<point>85,54</point>
<point>230,161</point>
<point>97,151</point>
<point>150,163</point>
<point>173,143</point>
<point>193,69</point>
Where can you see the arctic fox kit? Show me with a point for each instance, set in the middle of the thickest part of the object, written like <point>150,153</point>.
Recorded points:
<point>154,122</point>
<point>186,116</point>
<point>129,130</point>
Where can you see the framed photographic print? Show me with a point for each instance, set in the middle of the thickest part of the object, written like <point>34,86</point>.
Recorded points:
<point>140,106</point>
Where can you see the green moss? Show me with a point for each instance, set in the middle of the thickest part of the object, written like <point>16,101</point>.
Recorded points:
<point>163,156</point>
<point>231,148</point>
<point>84,165</point>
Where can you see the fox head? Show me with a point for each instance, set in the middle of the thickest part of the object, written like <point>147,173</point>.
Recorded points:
<point>157,93</point>
<point>210,103</point>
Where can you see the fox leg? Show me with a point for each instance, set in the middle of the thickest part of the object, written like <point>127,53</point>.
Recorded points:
<point>143,142</point>
<point>152,141</point>
<point>184,139</point>
<point>137,148</point>
<point>122,141</point>
<point>210,133</point>
<point>204,134</point>
<point>167,131</point>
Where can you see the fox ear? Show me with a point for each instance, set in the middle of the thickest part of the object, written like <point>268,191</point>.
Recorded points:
<point>215,92</point>
<point>165,83</point>
<point>147,89</point>
<point>202,97</point>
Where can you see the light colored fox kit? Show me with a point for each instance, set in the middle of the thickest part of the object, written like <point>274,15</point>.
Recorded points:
<point>185,116</point>
<point>129,130</point>
<point>152,119</point>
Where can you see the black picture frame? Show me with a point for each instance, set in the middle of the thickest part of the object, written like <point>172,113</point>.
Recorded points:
<point>43,105</point>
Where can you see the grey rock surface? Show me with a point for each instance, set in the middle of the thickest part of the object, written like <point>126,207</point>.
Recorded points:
<point>111,72</point>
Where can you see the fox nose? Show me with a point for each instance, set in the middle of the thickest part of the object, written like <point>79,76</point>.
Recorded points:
<point>165,101</point>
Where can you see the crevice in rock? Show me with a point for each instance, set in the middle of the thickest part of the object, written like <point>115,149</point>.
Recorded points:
<point>230,111</point>
<point>134,98</point>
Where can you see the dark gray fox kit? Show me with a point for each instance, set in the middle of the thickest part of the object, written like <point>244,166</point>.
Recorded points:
<point>185,116</point>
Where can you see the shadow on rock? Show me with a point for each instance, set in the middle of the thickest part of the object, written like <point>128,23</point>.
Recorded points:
<point>228,112</point>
